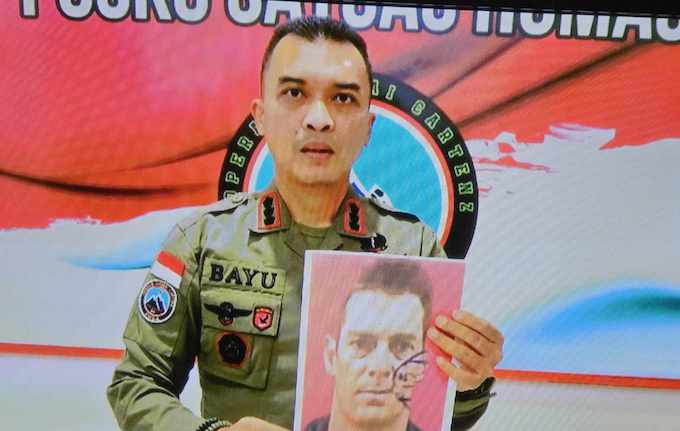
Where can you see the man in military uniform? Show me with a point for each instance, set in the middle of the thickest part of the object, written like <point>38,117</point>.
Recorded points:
<point>226,286</point>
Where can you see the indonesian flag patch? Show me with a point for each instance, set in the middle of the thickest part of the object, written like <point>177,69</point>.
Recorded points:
<point>168,267</point>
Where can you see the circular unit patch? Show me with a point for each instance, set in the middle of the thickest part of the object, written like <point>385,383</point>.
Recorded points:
<point>233,349</point>
<point>157,301</point>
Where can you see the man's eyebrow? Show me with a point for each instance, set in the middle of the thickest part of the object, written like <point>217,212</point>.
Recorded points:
<point>348,86</point>
<point>289,79</point>
<point>341,85</point>
<point>398,335</point>
<point>405,335</point>
<point>360,332</point>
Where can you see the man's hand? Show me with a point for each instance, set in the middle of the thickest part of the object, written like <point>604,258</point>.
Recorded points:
<point>252,424</point>
<point>473,342</point>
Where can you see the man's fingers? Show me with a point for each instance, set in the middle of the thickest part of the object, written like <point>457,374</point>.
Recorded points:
<point>474,339</point>
<point>479,325</point>
<point>464,354</point>
<point>464,379</point>
<point>249,423</point>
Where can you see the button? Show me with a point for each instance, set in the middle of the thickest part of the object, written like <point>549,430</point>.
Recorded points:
<point>237,198</point>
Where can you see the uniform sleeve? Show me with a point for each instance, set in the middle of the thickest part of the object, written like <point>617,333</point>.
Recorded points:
<point>430,246</point>
<point>469,405</point>
<point>160,345</point>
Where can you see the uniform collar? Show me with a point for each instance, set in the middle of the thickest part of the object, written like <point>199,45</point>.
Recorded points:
<point>272,214</point>
<point>351,219</point>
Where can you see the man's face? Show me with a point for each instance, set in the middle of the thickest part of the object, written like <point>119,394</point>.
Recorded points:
<point>379,333</point>
<point>314,109</point>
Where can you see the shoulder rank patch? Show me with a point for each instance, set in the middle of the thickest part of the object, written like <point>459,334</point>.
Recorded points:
<point>169,268</point>
<point>236,198</point>
<point>157,301</point>
<point>354,216</point>
<point>383,208</point>
<point>228,204</point>
<point>268,211</point>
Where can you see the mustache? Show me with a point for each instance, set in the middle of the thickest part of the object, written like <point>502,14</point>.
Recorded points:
<point>376,391</point>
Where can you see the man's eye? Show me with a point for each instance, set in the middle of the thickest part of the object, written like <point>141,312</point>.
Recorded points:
<point>344,98</point>
<point>401,348</point>
<point>362,346</point>
<point>295,93</point>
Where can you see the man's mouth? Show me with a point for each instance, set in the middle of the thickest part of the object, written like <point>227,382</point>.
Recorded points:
<point>375,391</point>
<point>374,397</point>
<point>317,150</point>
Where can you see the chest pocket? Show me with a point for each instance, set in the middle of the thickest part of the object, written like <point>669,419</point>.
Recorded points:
<point>240,325</point>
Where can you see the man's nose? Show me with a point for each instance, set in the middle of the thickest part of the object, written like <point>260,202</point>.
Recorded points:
<point>318,118</point>
<point>380,363</point>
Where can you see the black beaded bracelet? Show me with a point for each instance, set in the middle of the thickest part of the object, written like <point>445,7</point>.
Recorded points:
<point>213,424</point>
<point>217,425</point>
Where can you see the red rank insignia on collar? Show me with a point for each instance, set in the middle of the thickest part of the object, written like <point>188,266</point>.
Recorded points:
<point>269,211</point>
<point>354,217</point>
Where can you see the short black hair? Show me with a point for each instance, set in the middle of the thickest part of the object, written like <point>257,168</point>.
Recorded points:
<point>312,28</point>
<point>397,276</point>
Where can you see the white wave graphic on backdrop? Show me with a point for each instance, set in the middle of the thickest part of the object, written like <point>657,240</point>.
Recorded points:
<point>559,221</point>
<point>574,249</point>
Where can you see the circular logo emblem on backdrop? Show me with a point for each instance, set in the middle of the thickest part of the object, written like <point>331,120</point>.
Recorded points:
<point>416,161</point>
<point>157,301</point>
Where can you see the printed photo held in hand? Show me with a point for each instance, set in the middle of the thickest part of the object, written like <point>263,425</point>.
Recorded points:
<point>365,362</point>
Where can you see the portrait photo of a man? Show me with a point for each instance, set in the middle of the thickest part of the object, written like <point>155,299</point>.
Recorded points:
<point>366,357</point>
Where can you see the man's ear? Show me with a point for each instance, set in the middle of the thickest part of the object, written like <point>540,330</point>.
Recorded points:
<point>330,352</point>
<point>371,120</point>
<point>257,111</point>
